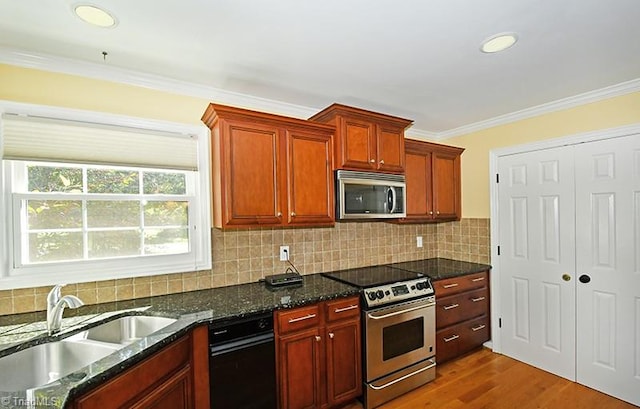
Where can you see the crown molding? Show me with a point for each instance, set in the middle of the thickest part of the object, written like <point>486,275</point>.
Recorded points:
<point>64,65</point>
<point>616,90</point>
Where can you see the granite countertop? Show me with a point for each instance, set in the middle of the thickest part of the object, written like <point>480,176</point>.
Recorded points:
<point>21,331</point>
<point>18,332</point>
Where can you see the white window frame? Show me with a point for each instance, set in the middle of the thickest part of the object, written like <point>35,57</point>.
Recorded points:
<point>13,276</point>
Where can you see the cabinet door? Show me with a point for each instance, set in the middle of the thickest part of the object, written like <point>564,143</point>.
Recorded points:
<point>300,357</point>
<point>418,179</point>
<point>174,393</point>
<point>251,158</point>
<point>390,148</point>
<point>356,147</point>
<point>344,376</point>
<point>446,186</point>
<point>309,178</point>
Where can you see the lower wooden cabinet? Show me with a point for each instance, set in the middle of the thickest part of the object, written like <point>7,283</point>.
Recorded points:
<point>319,355</point>
<point>462,314</point>
<point>174,378</point>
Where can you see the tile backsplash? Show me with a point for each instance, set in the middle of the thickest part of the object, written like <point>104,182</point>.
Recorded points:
<point>242,256</point>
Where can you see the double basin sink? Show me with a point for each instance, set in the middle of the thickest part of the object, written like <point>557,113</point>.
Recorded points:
<point>45,363</point>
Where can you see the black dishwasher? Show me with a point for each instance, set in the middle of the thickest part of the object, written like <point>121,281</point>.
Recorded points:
<point>242,367</point>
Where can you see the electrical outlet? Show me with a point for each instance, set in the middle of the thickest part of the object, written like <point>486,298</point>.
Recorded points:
<point>419,241</point>
<point>284,253</point>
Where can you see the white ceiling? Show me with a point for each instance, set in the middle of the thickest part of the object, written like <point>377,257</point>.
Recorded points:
<point>417,59</point>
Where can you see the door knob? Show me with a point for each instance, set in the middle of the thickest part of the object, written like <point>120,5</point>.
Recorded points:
<point>584,279</point>
<point>566,277</point>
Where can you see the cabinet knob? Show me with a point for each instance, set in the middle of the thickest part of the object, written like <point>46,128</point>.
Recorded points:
<point>431,212</point>
<point>293,214</point>
<point>318,338</point>
<point>381,161</point>
<point>331,335</point>
<point>372,161</point>
<point>438,212</point>
<point>279,214</point>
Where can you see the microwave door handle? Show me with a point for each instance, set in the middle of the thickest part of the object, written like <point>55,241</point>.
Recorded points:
<point>391,204</point>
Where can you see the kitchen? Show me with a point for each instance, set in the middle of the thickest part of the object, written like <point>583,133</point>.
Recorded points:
<point>245,256</point>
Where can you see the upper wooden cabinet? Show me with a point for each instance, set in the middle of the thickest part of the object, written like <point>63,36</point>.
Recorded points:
<point>366,140</point>
<point>433,182</point>
<point>269,170</point>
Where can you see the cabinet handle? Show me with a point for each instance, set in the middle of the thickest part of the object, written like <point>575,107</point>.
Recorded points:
<point>477,299</point>
<point>450,307</point>
<point>478,328</point>
<point>381,161</point>
<point>451,338</point>
<point>450,285</point>
<point>331,335</point>
<point>339,310</point>
<point>293,214</point>
<point>475,280</point>
<point>306,317</point>
<point>318,338</point>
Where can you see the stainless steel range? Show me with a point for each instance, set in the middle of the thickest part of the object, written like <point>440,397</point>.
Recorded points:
<point>399,330</point>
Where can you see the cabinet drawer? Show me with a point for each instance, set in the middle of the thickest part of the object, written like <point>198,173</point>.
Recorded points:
<point>461,307</point>
<point>298,319</point>
<point>460,284</point>
<point>341,309</point>
<point>474,333</point>
<point>458,339</point>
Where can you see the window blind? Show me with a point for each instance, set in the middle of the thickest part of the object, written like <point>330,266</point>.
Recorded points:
<point>56,140</point>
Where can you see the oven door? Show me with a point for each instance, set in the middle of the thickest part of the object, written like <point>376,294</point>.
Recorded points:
<point>399,336</point>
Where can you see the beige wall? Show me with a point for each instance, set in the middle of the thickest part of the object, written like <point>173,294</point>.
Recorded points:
<point>610,113</point>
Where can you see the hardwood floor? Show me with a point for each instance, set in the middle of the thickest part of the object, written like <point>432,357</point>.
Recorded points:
<point>486,380</point>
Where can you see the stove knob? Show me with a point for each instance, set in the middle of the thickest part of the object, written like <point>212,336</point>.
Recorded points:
<point>380,294</point>
<point>413,287</point>
<point>420,286</point>
<point>372,295</point>
<point>387,292</point>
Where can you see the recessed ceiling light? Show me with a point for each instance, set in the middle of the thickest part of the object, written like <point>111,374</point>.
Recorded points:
<point>498,42</point>
<point>95,15</point>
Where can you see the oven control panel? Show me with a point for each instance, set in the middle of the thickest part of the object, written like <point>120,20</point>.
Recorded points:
<point>391,293</point>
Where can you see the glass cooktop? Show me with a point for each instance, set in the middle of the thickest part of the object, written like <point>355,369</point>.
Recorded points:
<point>365,277</point>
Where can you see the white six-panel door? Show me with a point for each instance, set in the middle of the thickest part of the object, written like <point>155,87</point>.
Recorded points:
<point>608,257</point>
<point>537,228</point>
<point>569,227</point>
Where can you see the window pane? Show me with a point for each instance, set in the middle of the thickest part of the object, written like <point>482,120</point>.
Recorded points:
<point>54,214</point>
<point>164,183</point>
<point>45,247</point>
<point>169,213</point>
<point>166,241</point>
<point>112,181</point>
<point>104,213</point>
<point>54,179</point>
<point>119,243</point>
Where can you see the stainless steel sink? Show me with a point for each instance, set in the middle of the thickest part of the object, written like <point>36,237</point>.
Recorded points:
<point>126,330</point>
<point>45,363</point>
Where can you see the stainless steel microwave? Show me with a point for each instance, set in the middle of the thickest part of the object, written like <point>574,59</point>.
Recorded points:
<point>368,195</point>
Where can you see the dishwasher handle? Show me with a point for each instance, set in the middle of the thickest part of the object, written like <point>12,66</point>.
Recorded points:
<point>235,345</point>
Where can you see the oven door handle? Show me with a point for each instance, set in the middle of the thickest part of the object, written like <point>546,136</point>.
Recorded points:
<point>402,378</point>
<point>393,314</point>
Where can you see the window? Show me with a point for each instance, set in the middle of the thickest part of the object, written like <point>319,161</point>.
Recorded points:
<point>138,206</point>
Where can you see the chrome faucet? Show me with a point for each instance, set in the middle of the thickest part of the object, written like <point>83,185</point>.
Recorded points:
<point>55,307</point>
